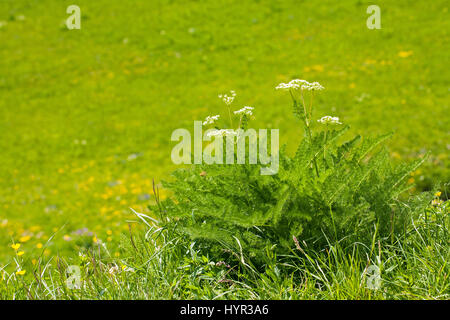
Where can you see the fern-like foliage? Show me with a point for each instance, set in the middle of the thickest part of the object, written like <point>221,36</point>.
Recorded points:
<point>329,189</point>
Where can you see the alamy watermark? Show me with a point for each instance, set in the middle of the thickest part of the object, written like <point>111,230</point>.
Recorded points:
<point>373,281</point>
<point>374,20</point>
<point>74,20</point>
<point>227,146</point>
<point>73,280</point>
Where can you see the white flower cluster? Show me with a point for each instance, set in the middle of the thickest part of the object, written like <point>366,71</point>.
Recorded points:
<point>245,110</point>
<point>312,86</point>
<point>211,119</point>
<point>221,132</point>
<point>228,99</point>
<point>299,84</point>
<point>287,86</point>
<point>329,120</point>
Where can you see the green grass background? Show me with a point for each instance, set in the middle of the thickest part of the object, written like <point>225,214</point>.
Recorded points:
<point>86,115</point>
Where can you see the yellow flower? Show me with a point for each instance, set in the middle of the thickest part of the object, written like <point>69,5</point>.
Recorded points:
<point>109,232</point>
<point>15,246</point>
<point>33,261</point>
<point>396,155</point>
<point>104,210</point>
<point>438,194</point>
<point>24,238</point>
<point>20,253</point>
<point>20,272</point>
<point>39,245</point>
<point>109,239</point>
<point>405,54</point>
<point>318,68</point>
<point>94,239</point>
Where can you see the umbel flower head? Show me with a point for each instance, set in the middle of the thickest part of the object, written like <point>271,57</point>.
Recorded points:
<point>228,99</point>
<point>329,120</point>
<point>221,132</point>
<point>299,84</point>
<point>211,119</point>
<point>287,86</point>
<point>245,110</point>
<point>315,86</point>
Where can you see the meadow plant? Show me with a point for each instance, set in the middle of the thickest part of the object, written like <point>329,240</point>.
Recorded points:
<point>329,189</point>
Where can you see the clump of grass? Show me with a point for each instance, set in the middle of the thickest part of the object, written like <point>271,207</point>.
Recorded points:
<point>159,265</point>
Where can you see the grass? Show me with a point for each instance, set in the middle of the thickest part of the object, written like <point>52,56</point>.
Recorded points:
<point>86,117</point>
<point>161,266</point>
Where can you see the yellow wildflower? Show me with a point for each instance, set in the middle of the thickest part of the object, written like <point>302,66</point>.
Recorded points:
<point>15,246</point>
<point>20,272</point>
<point>405,54</point>
<point>24,238</point>
<point>20,253</point>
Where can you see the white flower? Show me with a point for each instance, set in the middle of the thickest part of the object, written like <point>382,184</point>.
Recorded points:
<point>228,99</point>
<point>211,119</point>
<point>329,120</point>
<point>299,84</point>
<point>221,133</point>
<point>287,86</point>
<point>312,86</point>
<point>213,133</point>
<point>245,110</point>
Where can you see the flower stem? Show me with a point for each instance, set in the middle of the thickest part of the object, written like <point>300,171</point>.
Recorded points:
<point>231,120</point>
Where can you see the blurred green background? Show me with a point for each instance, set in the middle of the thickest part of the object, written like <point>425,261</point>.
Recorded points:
<point>86,115</point>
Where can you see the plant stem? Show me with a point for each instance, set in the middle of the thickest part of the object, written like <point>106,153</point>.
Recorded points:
<point>231,120</point>
<point>314,160</point>
<point>310,104</point>
<point>304,110</point>
<point>308,130</point>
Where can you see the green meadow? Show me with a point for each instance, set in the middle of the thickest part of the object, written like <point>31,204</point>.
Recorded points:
<point>86,115</point>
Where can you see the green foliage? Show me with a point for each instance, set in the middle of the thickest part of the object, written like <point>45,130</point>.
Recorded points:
<point>328,190</point>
